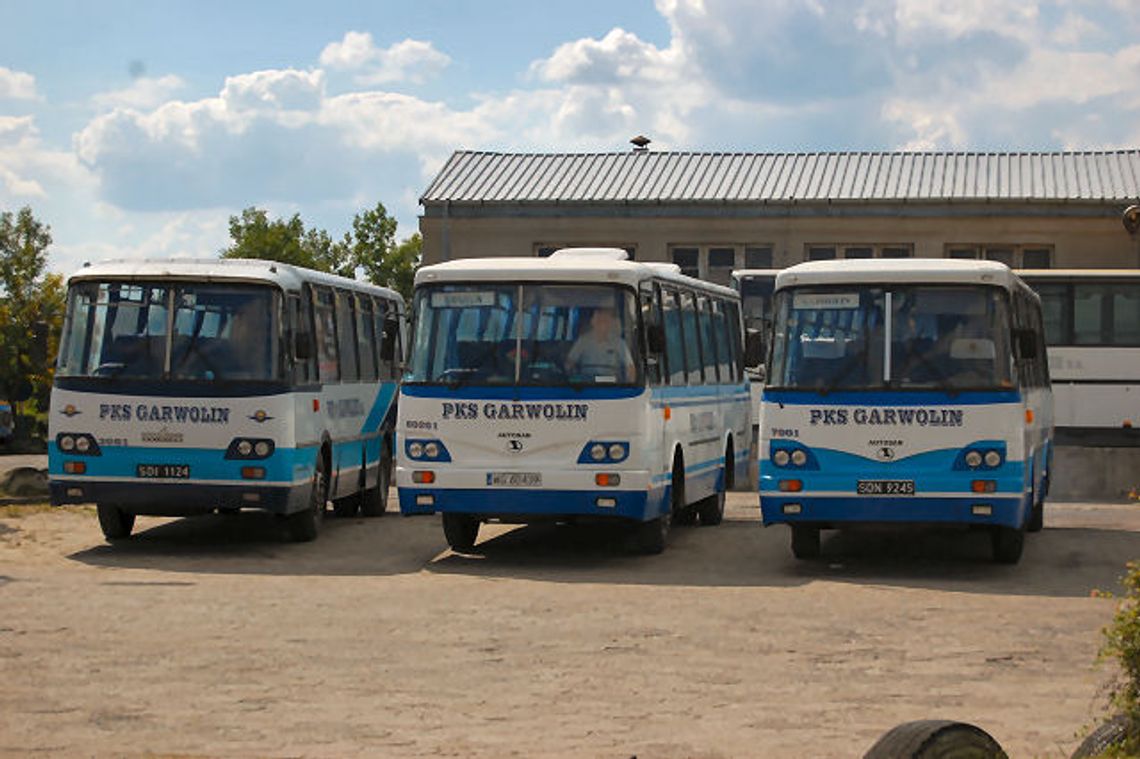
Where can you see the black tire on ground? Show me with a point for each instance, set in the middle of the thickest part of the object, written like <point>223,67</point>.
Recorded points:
<point>348,506</point>
<point>115,523</point>
<point>461,531</point>
<point>686,517</point>
<point>935,739</point>
<point>1008,543</point>
<point>652,536</point>
<point>711,510</point>
<point>304,525</point>
<point>1109,735</point>
<point>805,541</point>
<point>376,500</point>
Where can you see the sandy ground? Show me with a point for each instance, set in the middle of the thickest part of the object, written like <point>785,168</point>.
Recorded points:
<point>213,637</point>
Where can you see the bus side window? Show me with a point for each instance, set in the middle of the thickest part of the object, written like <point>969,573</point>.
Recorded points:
<point>654,333</point>
<point>693,362</point>
<point>304,346</point>
<point>674,342</point>
<point>390,343</point>
<point>328,359</point>
<point>736,349</point>
<point>708,344</point>
<point>366,337</point>
<point>723,338</point>
<point>346,336</point>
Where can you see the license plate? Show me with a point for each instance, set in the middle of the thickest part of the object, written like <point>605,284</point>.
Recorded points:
<point>885,487</point>
<point>163,471</point>
<point>514,479</point>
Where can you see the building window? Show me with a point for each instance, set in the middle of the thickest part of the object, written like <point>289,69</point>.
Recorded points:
<point>715,263</point>
<point>544,249</point>
<point>689,261</point>
<point>1014,256</point>
<point>859,250</point>
<point>758,257</point>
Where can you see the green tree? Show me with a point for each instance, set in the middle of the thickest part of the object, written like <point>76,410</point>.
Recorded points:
<point>374,249</point>
<point>31,309</point>
<point>255,235</point>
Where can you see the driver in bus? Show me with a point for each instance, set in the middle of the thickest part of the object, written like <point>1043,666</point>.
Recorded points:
<point>600,351</point>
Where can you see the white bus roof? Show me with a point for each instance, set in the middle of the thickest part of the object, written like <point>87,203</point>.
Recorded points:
<point>569,265</point>
<point>251,270</point>
<point>902,270</point>
<point>1075,274</point>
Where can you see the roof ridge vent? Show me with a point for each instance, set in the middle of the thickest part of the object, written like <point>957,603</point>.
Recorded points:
<point>609,254</point>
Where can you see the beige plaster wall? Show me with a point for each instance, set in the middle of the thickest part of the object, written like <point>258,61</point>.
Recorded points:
<point>1077,242</point>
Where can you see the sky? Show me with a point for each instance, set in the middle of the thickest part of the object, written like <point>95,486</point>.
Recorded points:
<point>136,128</point>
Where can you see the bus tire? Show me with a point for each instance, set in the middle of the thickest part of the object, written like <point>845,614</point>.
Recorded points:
<point>711,509</point>
<point>1008,543</point>
<point>347,507</point>
<point>376,500</point>
<point>805,541</point>
<point>1036,521</point>
<point>461,531</point>
<point>935,738</point>
<point>304,525</point>
<point>115,523</point>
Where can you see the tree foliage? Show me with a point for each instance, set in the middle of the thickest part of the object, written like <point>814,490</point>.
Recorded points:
<point>31,308</point>
<point>370,245</point>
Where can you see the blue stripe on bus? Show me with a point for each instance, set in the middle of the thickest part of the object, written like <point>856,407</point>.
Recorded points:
<point>629,504</point>
<point>522,392</point>
<point>890,398</point>
<point>380,407</point>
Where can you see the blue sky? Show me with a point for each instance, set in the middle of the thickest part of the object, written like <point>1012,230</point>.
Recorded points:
<point>137,128</point>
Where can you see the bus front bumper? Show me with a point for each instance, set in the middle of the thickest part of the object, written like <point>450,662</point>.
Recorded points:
<point>563,495</point>
<point>1008,510</point>
<point>179,499</point>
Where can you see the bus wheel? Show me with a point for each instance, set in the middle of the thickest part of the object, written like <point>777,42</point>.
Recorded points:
<point>461,531</point>
<point>931,738</point>
<point>376,500</point>
<point>115,523</point>
<point>304,525</point>
<point>1007,544</point>
<point>1037,515</point>
<point>805,541</point>
<point>348,506</point>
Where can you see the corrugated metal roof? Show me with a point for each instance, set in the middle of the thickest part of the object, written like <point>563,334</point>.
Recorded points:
<point>648,176</point>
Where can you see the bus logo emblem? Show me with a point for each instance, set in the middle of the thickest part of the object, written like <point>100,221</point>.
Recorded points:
<point>886,454</point>
<point>514,445</point>
<point>70,411</point>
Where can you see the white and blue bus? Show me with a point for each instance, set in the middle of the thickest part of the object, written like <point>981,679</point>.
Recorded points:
<point>911,391</point>
<point>578,386</point>
<point>188,386</point>
<point>1092,328</point>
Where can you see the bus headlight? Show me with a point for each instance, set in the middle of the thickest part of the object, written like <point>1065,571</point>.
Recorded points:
<point>66,443</point>
<point>781,458</point>
<point>617,451</point>
<point>415,450</point>
<point>992,459</point>
<point>244,447</point>
<point>250,448</point>
<point>597,451</point>
<point>262,448</point>
<point>431,450</point>
<point>78,443</point>
<point>974,459</point>
<point>799,458</point>
<point>603,452</point>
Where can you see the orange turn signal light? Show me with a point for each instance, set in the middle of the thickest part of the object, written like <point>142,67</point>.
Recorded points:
<point>983,486</point>
<point>423,478</point>
<point>791,486</point>
<point>1029,416</point>
<point>75,467</point>
<point>606,480</point>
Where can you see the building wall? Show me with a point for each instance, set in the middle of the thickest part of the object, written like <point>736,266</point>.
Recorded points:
<point>1077,242</point>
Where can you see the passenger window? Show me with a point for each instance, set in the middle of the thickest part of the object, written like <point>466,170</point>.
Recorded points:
<point>366,338</point>
<point>327,352</point>
<point>649,294</point>
<point>693,360</point>
<point>346,333</point>
<point>708,343</point>
<point>723,339</point>
<point>674,342</point>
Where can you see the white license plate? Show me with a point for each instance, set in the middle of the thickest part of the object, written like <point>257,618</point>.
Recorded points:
<point>885,487</point>
<point>163,471</point>
<point>514,479</point>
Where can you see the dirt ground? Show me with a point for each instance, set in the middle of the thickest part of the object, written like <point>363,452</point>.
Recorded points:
<point>213,637</point>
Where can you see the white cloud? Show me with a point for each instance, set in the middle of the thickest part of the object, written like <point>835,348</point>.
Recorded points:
<point>410,60</point>
<point>16,85</point>
<point>28,168</point>
<point>144,92</point>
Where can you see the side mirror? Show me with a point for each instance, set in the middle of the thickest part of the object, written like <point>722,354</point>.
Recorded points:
<point>1026,342</point>
<point>656,336</point>
<point>303,347</point>
<point>753,347</point>
<point>388,342</point>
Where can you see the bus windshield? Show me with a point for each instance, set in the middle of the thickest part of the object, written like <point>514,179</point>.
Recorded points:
<point>928,337</point>
<point>529,334</point>
<point>166,330</point>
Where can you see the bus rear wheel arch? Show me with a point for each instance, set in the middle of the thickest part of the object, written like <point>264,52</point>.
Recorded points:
<point>375,500</point>
<point>304,525</point>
